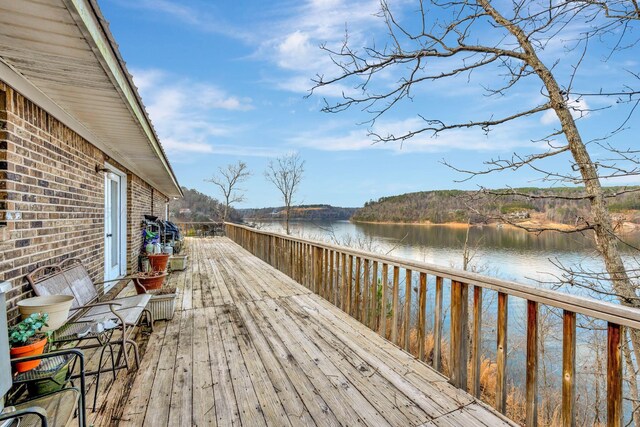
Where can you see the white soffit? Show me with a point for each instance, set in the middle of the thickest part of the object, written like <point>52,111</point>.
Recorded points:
<point>61,55</point>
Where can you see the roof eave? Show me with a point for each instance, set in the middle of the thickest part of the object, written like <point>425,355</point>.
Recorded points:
<point>92,23</point>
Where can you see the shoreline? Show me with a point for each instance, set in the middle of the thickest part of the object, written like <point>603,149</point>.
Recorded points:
<point>626,226</point>
<point>533,223</point>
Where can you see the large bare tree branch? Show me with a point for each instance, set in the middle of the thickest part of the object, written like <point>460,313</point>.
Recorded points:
<point>286,173</point>
<point>227,180</point>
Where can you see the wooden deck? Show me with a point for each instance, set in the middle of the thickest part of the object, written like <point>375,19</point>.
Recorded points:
<point>249,346</point>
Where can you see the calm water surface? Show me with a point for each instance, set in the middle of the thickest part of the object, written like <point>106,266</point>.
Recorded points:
<point>507,253</point>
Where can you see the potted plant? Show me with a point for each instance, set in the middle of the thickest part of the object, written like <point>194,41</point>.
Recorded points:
<point>25,339</point>
<point>148,281</point>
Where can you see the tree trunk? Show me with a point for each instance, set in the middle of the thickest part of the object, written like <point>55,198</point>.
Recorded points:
<point>288,213</point>
<point>604,235</point>
<point>606,241</point>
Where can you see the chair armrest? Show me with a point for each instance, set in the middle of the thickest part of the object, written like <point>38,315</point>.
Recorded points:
<point>111,305</point>
<point>31,410</point>
<point>114,280</point>
<point>97,304</point>
<point>74,351</point>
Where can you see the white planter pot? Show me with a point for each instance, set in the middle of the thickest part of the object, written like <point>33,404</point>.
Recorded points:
<point>56,306</point>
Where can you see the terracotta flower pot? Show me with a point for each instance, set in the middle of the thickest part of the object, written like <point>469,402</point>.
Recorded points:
<point>158,261</point>
<point>28,350</point>
<point>149,281</point>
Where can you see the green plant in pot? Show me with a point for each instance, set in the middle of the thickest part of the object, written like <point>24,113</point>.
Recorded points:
<point>26,339</point>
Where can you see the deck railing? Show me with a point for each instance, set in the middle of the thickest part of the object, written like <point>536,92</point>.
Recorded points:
<point>363,284</point>
<point>200,229</point>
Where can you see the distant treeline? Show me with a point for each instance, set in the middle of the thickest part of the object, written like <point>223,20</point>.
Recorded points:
<point>306,212</point>
<point>454,206</point>
<point>198,207</point>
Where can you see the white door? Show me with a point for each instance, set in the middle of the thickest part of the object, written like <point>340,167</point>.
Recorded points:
<point>112,227</point>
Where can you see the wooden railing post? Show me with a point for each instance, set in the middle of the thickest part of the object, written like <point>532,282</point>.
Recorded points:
<point>422,308</point>
<point>459,334</point>
<point>336,279</point>
<point>501,353</point>
<point>330,284</point>
<point>407,310</point>
<point>385,299</point>
<point>532,365</point>
<point>349,284</point>
<point>614,375</point>
<point>568,368</point>
<point>317,269</point>
<point>343,280</point>
<point>357,307</point>
<point>394,307</point>
<point>373,316</point>
<point>366,294</point>
<point>437,327</point>
<point>476,341</point>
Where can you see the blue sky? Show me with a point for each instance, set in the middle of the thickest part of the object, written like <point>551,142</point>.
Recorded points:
<point>226,81</point>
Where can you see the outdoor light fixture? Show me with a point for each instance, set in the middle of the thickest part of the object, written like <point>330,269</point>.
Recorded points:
<point>108,172</point>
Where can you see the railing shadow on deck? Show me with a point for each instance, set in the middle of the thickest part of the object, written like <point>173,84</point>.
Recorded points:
<point>368,287</point>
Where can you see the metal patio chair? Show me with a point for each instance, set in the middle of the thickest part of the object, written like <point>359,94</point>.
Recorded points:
<point>71,278</point>
<point>52,409</point>
<point>55,408</point>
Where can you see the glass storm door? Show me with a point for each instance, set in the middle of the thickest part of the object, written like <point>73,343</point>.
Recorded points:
<point>112,227</point>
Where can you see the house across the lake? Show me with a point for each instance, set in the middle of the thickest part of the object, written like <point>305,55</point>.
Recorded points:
<point>80,162</point>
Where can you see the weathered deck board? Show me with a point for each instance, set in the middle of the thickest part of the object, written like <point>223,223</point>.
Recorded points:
<point>250,346</point>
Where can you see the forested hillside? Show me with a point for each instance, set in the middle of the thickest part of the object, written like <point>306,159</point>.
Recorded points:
<point>307,212</point>
<point>454,206</point>
<point>197,207</point>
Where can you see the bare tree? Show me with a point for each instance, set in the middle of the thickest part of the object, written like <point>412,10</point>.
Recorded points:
<point>456,38</point>
<point>227,179</point>
<point>286,174</point>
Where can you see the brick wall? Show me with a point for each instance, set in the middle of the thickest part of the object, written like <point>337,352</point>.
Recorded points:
<point>48,178</point>
<point>159,204</point>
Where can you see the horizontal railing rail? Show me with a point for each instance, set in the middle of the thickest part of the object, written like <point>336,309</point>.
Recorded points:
<point>200,228</point>
<point>363,284</point>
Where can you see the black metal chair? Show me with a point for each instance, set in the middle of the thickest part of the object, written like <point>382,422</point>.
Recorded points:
<point>53,409</point>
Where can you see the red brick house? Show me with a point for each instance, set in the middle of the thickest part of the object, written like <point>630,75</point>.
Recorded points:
<point>80,162</point>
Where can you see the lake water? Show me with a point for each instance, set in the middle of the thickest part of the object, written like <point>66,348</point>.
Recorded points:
<point>504,252</point>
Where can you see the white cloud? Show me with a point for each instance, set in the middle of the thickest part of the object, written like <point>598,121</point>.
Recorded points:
<point>579,109</point>
<point>293,44</point>
<point>186,113</point>
<point>295,51</point>
<point>329,138</point>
